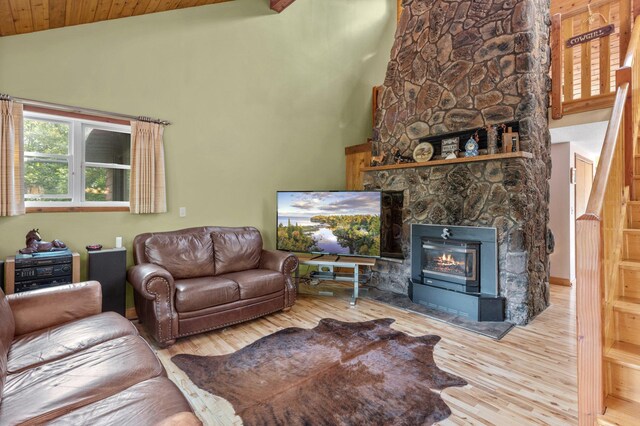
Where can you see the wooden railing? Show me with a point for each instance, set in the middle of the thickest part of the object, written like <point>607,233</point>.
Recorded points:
<point>581,76</point>
<point>599,234</point>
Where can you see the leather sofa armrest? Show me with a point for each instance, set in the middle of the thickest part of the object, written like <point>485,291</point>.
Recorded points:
<point>283,262</point>
<point>48,307</point>
<point>286,264</point>
<point>154,295</point>
<point>141,278</point>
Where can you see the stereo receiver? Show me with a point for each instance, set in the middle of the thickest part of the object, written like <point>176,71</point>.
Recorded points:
<point>35,272</point>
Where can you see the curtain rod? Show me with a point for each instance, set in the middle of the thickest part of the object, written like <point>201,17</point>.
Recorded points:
<point>88,111</point>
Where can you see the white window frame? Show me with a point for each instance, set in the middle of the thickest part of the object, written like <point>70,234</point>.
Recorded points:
<point>75,158</point>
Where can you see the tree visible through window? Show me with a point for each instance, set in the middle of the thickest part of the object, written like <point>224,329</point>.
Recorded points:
<point>75,162</point>
<point>46,145</point>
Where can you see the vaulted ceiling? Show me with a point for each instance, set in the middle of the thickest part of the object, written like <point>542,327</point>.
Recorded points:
<point>26,16</point>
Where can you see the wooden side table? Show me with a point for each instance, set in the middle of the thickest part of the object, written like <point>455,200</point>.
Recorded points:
<point>10,272</point>
<point>331,262</point>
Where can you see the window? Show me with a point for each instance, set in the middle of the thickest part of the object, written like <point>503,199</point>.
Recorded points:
<point>73,162</point>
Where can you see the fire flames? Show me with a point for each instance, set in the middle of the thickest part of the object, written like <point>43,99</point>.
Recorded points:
<point>448,264</point>
<point>448,260</point>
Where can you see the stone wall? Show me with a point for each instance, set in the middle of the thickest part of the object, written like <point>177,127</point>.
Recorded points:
<point>493,194</point>
<point>460,65</point>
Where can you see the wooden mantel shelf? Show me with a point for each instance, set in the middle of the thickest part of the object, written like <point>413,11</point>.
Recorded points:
<point>520,154</point>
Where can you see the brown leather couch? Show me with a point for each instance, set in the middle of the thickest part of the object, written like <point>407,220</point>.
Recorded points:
<point>199,279</point>
<point>62,362</point>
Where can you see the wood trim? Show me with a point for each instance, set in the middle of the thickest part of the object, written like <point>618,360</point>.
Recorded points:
<point>577,157</point>
<point>585,64</point>
<point>589,325</point>
<point>280,5</point>
<point>131,314</point>
<point>596,199</point>
<point>75,267</point>
<point>583,159</point>
<point>571,10</point>
<point>628,133</point>
<point>624,75</point>
<point>76,209</point>
<point>590,104</point>
<point>626,47</point>
<point>567,64</point>
<point>9,275</point>
<point>508,156</point>
<point>61,113</point>
<point>560,281</point>
<point>605,54</point>
<point>357,157</point>
<point>354,149</point>
<point>556,67</point>
<point>633,46</point>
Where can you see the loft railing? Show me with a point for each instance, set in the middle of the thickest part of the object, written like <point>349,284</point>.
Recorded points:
<point>599,234</point>
<point>583,76</point>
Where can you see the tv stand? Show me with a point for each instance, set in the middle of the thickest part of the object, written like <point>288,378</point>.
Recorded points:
<point>329,262</point>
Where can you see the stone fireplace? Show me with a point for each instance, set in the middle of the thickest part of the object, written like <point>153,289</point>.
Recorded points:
<point>463,65</point>
<point>454,270</point>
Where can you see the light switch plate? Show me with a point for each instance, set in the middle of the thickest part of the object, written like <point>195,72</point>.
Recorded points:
<point>183,212</point>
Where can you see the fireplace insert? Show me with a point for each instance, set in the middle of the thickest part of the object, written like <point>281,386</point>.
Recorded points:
<point>451,264</point>
<point>454,269</point>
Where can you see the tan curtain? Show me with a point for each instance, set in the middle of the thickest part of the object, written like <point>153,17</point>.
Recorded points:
<point>11,159</point>
<point>147,187</point>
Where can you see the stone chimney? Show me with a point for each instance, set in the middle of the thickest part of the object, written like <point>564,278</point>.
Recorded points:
<point>462,65</point>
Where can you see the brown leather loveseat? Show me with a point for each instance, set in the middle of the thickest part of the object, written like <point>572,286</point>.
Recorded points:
<point>200,279</point>
<point>62,362</point>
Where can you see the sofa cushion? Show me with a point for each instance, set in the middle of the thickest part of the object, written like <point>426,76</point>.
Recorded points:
<point>50,344</point>
<point>257,282</point>
<point>236,250</point>
<point>50,390</point>
<point>145,403</point>
<point>183,255</point>
<point>200,293</point>
<point>7,329</point>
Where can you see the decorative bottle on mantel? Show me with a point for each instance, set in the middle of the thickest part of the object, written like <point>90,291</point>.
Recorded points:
<point>510,141</point>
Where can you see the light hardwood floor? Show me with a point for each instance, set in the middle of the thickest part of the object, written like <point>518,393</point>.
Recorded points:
<point>527,378</point>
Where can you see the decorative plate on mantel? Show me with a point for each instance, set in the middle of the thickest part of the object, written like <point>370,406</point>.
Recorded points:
<point>423,152</point>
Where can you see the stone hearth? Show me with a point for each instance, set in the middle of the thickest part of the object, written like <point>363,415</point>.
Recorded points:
<point>460,65</point>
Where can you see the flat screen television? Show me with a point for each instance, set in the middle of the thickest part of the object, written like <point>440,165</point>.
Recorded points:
<point>332,222</point>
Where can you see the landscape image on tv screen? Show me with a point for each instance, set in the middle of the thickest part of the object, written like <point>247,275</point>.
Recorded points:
<point>346,223</point>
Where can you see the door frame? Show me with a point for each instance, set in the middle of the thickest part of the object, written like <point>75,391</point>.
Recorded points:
<point>577,158</point>
<point>584,159</point>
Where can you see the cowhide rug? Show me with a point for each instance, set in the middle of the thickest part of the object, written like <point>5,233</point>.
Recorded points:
<point>338,373</point>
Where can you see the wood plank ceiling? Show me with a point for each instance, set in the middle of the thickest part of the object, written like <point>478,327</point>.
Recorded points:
<point>26,16</point>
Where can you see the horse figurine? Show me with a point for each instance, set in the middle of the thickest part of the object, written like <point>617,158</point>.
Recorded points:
<point>36,245</point>
<point>377,160</point>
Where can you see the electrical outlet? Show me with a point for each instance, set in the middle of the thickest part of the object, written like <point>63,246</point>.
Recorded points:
<point>183,212</point>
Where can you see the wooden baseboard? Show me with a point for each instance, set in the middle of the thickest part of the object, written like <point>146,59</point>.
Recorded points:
<point>560,281</point>
<point>131,314</point>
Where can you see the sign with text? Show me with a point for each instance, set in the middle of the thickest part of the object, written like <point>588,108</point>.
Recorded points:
<point>590,35</point>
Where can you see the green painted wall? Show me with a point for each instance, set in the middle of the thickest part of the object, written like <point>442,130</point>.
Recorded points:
<point>260,102</point>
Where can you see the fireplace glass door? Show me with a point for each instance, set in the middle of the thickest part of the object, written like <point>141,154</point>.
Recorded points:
<point>451,261</point>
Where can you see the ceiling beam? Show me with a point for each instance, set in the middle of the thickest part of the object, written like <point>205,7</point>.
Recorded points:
<point>280,5</point>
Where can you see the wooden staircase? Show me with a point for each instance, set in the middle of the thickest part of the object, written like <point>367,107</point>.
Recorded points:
<point>622,359</point>
<point>608,265</point>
